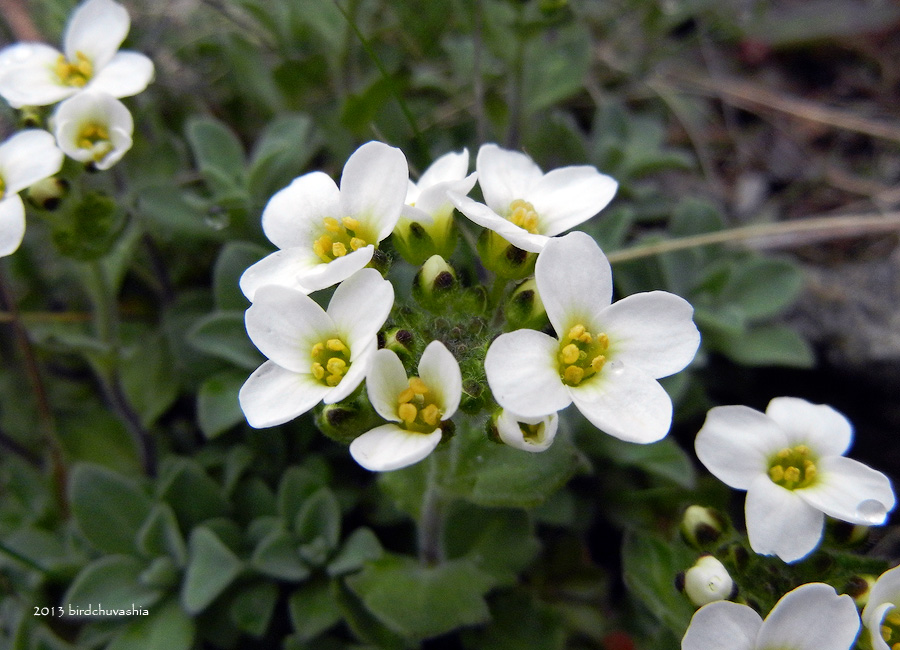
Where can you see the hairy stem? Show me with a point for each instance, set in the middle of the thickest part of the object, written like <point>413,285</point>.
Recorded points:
<point>431,519</point>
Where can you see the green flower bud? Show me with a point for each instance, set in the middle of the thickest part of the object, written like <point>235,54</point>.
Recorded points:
<point>434,282</point>
<point>416,241</point>
<point>525,308</point>
<point>347,420</point>
<point>48,193</point>
<point>701,526</point>
<point>504,259</point>
<point>31,117</point>
<point>858,588</point>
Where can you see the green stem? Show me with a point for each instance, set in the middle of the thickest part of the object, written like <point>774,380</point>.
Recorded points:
<point>431,518</point>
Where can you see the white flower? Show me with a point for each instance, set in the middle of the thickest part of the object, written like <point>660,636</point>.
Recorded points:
<point>708,581</point>
<point>790,461</point>
<point>415,408</point>
<point>528,434</point>
<point>25,158</point>
<point>93,128</point>
<point>326,234</point>
<point>882,613</point>
<point>425,227</point>
<point>607,358</point>
<point>35,74</point>
<point>525,206</point>
<point>314,355</point>
<point>811,617</point>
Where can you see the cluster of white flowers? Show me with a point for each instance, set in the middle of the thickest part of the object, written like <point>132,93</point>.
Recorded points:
<point>89,125</point>
<point>606,358</point>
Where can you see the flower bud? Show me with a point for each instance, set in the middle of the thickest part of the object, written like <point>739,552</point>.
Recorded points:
<point>708,581</point>
<point>48,193</point>
<point>417,241</point>
<point>347,420</point>
<point>701,526</point>
<point>527,434</point>
<point>398,340</point>
<point>434,281</point>
<point>31,117</point>
<point>858,588</point>
<point>525,308</point>
<point>504,259</point>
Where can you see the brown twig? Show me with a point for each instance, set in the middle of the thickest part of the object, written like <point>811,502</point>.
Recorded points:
<point>16,16</point>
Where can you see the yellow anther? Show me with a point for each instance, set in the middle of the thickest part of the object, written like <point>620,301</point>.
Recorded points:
<point>333,380</point>
<point>776,473</point>
<point>338,249</point>
<point>784,453</point>
<point>523,214</point>
<point>431,414</point>
<point>336,366</point>
<point>418,386</point>
<point>893,618</point>
<point>597,363</point>
<point>335,345</point>
<point>356,243</point>
<point>570,353</point>
<point>792,474</point>
<point>317,349</point>
<point>576,332</point>
<point>74,73</point>
<point>886,632</point>
<point>331,224</point>
<point>350,223</point>
<point>407,412</point>
<point>602,340</point>
<point>318,371</point>
<point>406,396</point>
<point>803,450</point>
<point>573,375</point>
<point>896,646</point>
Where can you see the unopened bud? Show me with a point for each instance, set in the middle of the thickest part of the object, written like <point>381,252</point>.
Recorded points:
<point>347,420</point>
<point>434,281</point>
<point>708,581</point>
<point>701,526</point>
<point>527,434</point>
<point>398,340</point>
<point>504,259</point>
<point>416,242</point>
<point>525,308</point>
<point>859,588</point>
<point>48,193</point>
<point>31,117</point>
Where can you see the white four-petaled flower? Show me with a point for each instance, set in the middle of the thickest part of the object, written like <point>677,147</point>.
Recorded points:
<point>811,617</point>
<point>35,74</point>
<point>414,407</point>
<point>881,615</point>
<point>327,233</point>
<point>314,355</point>
<point>25,158</point>
<point>790,461</point>
<point>532,434</point>
<point>525,206</point>
<point>607,358</point>
<point>93,128</point>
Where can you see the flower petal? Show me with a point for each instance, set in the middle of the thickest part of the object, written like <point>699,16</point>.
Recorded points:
<point>294,215</point>
<point>811,617</point>
<point>273,395</point>
<point>821,427</point>
<point>872,619</point>
<point>96,109</point>
<point>96,30</point>
<point>439,370</point>
<point>373,187</point>
<point>568,196</point>
<point>504,176</point>
<point>885,590</point>
<point>12,224</point>
<point>510,431</point>
<point>434,197</point>
<point>28,157</point>
<point>28,77</point>
<point>653,331</point>
<point>360,362</point>
<point>626,403</point>
<point>522,372</point>
<point>574,280</point>
<point>389,447</point>
<point>322,275</point>
<point>736,442</point>
<point>285,268</point>
<point>385,381</point>
<point>126,74</point>
<point>850,491</point>
<point>360,305</point>
<point>452,166</point>
<point>779,522</point>
<point>722,625</point>
<point>487,218</point>
<point>285,324</point>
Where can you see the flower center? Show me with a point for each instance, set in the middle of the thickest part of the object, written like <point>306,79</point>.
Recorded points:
<point>581,355</point>
<point>417,409</point>
<point>523,214</point>
<point>533,433</point>
<point>890,629</point>
<point>94,138</point>
<point>74,73</point>
<point>793,468</point>
<point>338,238</point>
<point>331,360</point>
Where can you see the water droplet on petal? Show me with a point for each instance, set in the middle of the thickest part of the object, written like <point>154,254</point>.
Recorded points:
<point>871,511</point>
<point>616,367</point>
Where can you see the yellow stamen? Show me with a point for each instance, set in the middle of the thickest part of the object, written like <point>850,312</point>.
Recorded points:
<point>333,380</point>
<point>406,396</point>
<point>318,371</point>
<point>581,355</point>
<point>569,353</point>
<point>74,73</point>
<point>792,474</point>
<point>576,332</point>
<point>573,375</point>
<point>407,412</point>
<point>776,473</point>
<point>317,349</point>
<point>331,224</point>
<point>338,249</point>
<point>330,361</point>
<point>356,243</point>
<point>597,363</point>
<point>793,467</point>
<point>335,345</point>
<point>350,223</point>
<point>523,214</point>
<point>418,386</point>
<point>431,414</point>
<point>603,340</point>
<point>336,366</point>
